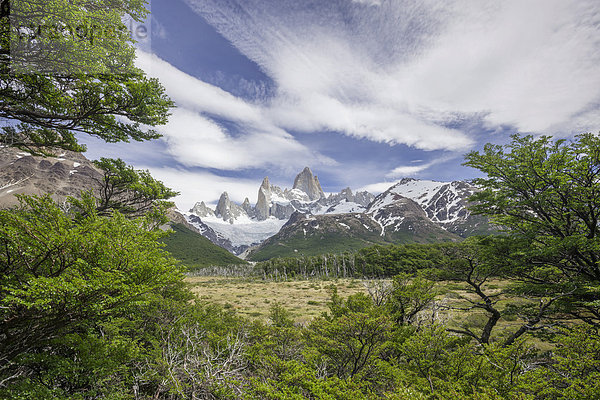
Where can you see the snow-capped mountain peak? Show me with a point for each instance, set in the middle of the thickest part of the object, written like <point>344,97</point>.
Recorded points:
<point>445,203</point>
<point>245,225</point>
<point>409,206</point>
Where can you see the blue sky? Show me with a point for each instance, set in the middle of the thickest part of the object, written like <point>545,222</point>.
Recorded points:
<point>365,92</point>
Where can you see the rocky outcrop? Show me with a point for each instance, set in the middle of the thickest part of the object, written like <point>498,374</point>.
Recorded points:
<point>306,196</point>
<point>272,202</point>
<point>228,210</point>
<point>248,208</point>
<point>196,224</point>
<point>363,198</point>
<point>282,211</point>
<point>67,174</point>
<point>261,209</point>
<point>444,203</point>
<point>309,184</point>
<point>202,210</point>
<point>360,198</point>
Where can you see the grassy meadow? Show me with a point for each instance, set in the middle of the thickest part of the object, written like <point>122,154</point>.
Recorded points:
<point>307,299</point>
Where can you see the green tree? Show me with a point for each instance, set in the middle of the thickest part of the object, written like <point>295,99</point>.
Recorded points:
<point>546,195</point>
<point>131,192</point>
<point>68,68</point>
<point>62,275</point>
<point>408,297</point>
<point>352,337</point>
<point>574,370</point>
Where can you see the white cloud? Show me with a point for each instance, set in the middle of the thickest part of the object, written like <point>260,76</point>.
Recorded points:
<point>203,186</point>
<point>368,2</point>
<point>399,72</point>
<point>330,75</point>
<point>377,188</point>
<point>533,65</point>
<point>407,170</point>
<point>194,94</point>
<point>197,141</point>
<point>194,139</point>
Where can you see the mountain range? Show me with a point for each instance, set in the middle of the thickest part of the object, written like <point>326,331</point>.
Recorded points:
<point>302,220</point>
<point>305,221</point>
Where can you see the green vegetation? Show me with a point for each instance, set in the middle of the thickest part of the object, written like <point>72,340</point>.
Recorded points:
<point>298,245</point>
<point>375,261</point>
<point>196,251</point>
<point>130,191</point>
<point>74,73</point>
<point>547,195</point>
<point>69,279</point>
<point>92,306</point>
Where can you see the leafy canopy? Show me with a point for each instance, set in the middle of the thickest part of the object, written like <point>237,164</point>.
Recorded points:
<point>59,273</point>
<point>546,194</point>
<point>68,68</point>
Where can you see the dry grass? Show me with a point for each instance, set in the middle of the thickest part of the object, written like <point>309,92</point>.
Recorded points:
<point>307,299</point>
<point>253,298</point>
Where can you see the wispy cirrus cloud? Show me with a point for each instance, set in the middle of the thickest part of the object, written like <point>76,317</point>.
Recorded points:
<point>380,72</point>
<point>408,74</point>
<point>407,170</point>
<point>332,64</point>
<point>196,138</point>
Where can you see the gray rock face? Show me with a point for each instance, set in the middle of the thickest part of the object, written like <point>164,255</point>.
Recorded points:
<point>306,196</point>
<point>261,209</point>
<point>67,174</point>
<point>309,184</point>
<point>445,204</point>
<point>202,210</point>
<point>194,223</point>
<point>248,208</point>
<point>266,206</point>
<point>228,210</point>
<point>282,211</point>
<point>362,198</point>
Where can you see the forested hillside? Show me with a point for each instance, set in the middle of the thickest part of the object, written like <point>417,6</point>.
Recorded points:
<point>194,250</point>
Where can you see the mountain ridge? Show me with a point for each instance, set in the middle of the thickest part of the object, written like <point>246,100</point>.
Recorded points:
<point>70,173</point>
<point>411,210</point>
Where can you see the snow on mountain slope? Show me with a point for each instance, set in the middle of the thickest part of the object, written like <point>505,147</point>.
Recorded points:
<point>412,209</point>
<point>445,203</point>
<point>239,226</point>
<point>245,231</point>
<point>421,191</point>
<point>343,207</point>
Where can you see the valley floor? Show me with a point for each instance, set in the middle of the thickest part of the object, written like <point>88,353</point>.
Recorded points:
<point>307,299</point>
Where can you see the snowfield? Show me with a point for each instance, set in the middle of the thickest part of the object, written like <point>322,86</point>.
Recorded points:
<point>245,231</point>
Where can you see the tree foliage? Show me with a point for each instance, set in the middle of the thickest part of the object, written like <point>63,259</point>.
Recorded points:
<point>67,68</point>
<point>129,191</point>
<point>61,275</point>
<point>546,194</point>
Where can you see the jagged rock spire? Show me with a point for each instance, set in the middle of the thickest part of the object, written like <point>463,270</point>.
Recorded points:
<point>227,209</point>
<point>264,198</point>
<point>309,184</point>
<point>202,210</point>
